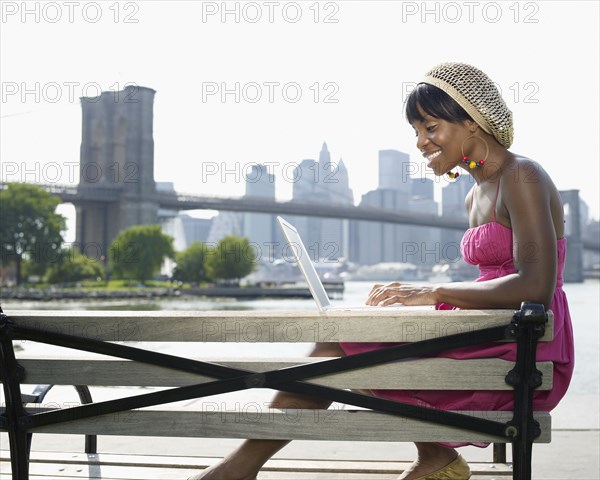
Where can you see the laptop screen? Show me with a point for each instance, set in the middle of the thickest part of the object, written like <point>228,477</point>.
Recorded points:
<point>305,264</point>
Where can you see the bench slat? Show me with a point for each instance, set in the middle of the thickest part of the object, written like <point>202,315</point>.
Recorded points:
<point>110,472</point>
<point>73,465</point>
<point>132,473</point>
<point>423,374</point>
<point>145,475</point>
<point>275,464</point>
<point>254,326</point>
<point>257,421</point>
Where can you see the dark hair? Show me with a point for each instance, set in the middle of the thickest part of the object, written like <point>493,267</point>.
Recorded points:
<point>435,102</point>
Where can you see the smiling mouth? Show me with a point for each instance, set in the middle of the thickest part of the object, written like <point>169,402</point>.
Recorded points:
<point>432,156</point>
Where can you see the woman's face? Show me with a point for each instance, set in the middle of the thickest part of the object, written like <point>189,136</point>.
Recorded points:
<point>440,141</point>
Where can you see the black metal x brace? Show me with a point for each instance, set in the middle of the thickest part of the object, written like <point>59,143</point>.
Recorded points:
<point>287,379</point>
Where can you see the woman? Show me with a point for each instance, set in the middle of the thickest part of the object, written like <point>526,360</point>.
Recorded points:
<point>516,238</point>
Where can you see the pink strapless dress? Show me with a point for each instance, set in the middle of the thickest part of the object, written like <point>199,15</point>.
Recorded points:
<point>490,247</point>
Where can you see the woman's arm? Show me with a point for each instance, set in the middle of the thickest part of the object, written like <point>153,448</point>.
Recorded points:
<point>525,191</point>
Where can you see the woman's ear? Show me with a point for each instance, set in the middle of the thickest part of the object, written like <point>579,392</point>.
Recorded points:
<point>471,125</point>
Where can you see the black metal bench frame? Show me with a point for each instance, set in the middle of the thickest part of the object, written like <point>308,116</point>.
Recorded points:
<point>526,328</point>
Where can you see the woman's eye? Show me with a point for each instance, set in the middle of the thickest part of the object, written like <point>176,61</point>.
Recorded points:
<point>431,128</point>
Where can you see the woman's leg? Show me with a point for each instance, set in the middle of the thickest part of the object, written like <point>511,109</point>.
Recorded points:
<point>245,462</point>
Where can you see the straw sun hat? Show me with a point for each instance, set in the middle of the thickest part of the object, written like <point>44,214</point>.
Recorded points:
<point>475,92</point>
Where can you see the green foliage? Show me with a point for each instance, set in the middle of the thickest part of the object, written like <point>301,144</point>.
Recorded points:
<point>190,264</point>
<point>29,226</point>
<point>74,267</point>
<point>139,251</point>
<point>232,258</point>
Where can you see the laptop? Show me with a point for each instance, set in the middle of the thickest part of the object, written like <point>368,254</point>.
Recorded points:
<point>314,282</point>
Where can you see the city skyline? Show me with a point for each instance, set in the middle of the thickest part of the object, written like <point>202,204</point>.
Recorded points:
<point>369,243</point>
<point>208,74</point>
<point>330,240</point>
<point>324,179</point>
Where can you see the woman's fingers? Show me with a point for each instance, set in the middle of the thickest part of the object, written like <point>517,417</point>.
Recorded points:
<point>391,301</point>
<point>404,294</point>
<point>373,293</point>
<point>381,293</point>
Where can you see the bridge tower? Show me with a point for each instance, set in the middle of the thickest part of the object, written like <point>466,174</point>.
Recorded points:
<point>116,166</point>
<point>574,262</point>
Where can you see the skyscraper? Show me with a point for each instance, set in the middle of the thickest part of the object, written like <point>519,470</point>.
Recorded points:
<point>335,233</point>
<point>225,223</point>
<point>394,169</point>
<point>422,188</point>
<point>375,242</point>
<point>325,159</point>
<point>323,182</point>
<point>259,228</point>
<point>307,188</point>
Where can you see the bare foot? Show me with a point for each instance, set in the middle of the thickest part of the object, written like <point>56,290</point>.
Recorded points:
<point>223,470</point>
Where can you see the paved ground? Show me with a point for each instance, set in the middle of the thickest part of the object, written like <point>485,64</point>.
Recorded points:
<point>573,454</point>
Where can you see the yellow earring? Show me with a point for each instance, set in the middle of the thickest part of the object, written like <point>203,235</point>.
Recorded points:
<point>473,163</point>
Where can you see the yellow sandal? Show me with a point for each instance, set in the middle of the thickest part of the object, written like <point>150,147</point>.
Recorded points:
<point>458,469</point>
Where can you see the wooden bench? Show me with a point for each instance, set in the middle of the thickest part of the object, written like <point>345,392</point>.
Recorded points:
<point>155,415</point>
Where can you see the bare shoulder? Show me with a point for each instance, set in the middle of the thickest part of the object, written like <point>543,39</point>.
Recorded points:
<point>527,180</point>
<point>527,188</point>
<point>524,186</point>
<point>525,176</point>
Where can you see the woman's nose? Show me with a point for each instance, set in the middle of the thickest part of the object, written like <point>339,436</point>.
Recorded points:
<point>421,142</point>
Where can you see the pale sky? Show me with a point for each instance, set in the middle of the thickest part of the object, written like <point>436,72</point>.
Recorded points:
<point>327,71</point>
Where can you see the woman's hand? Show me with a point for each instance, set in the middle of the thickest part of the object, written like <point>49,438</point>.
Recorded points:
<point>403,294</point>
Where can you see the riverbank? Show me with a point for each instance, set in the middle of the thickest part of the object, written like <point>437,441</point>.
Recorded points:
<point>334,290</point>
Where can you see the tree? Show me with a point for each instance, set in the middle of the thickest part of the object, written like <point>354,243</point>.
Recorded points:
<point>29,226</point>
<point>74,267</point>
<point>190,263</point>
<point>139,251</point>
<point>232,258</point>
